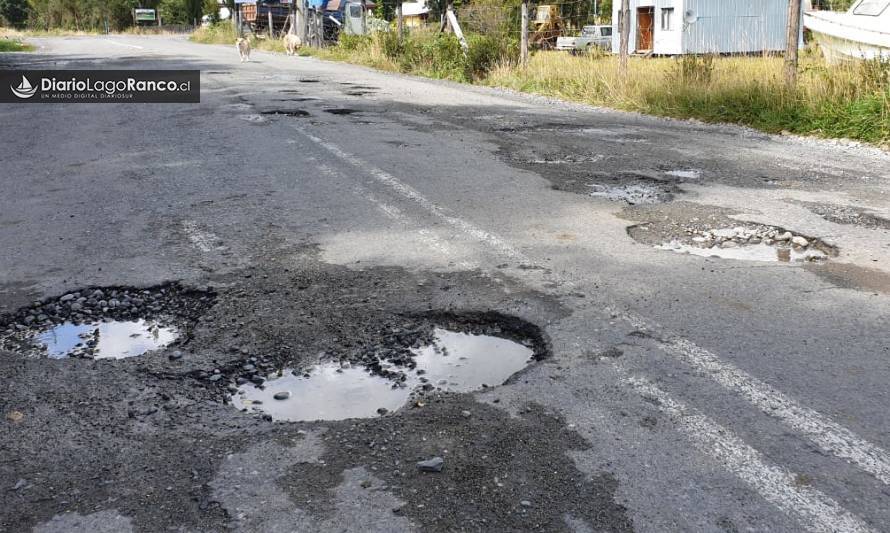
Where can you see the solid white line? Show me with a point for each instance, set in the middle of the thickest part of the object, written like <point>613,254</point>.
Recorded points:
<point>827,434</point>
<point>811,507</point>
<point>124,44</point>
<point>203,240</point>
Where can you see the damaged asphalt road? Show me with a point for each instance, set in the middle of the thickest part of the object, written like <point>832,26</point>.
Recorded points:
<point>699,311</point>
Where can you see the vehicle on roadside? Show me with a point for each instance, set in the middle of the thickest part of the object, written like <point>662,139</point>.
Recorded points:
<point>591,36</point>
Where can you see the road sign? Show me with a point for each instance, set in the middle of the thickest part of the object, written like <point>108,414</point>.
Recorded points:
<point>143,15</point>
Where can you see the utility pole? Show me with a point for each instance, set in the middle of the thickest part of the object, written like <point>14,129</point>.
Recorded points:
<point>523,42</point>
<point>271,27</point>
<point>624,45</point>
<point>792,43</point>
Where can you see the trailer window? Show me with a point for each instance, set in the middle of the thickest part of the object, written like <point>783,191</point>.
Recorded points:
<point>606,32</point>
<point>871,8</point>
<point>355,11</point>
<point>667,18</point>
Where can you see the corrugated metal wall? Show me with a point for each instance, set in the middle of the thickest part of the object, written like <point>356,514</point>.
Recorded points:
<point>722,26</point>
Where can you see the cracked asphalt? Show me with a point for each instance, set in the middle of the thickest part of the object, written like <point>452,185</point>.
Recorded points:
<point>336,213</point>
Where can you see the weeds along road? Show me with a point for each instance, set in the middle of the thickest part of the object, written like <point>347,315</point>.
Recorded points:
<point>311,212</point>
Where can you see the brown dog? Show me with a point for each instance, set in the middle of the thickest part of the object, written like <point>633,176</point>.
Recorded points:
<point>243,47</point>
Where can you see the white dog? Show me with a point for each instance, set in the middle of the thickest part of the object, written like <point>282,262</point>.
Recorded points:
<point>292,43</point>
<point>243,47</point>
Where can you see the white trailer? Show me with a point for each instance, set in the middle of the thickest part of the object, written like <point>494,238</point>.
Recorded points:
<point>675,27</point>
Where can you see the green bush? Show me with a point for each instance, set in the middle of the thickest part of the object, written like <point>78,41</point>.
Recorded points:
<point>351,43</point>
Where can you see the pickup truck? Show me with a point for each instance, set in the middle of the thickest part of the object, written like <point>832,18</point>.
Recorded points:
<point>591,36</point>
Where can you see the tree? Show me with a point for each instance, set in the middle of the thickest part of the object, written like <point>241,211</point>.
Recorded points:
<point>14,12</point>
<point>211,9</point>
<point>180,11</point>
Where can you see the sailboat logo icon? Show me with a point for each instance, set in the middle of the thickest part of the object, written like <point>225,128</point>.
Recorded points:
<point>24,90</point>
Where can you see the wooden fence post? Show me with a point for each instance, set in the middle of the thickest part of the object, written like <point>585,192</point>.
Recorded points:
<point>625,38</point>
<point>523,40</point>
<point>792,43</point>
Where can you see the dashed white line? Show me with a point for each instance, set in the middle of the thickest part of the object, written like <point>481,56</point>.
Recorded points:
<point>410,193</point>
<point>124,44</point>
<point>811,507</point>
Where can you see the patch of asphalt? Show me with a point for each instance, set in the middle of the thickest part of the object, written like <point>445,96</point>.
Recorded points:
<point>848,215</point>
<point>500,473</point>
<point>147,442</point>
<point>99,522</point>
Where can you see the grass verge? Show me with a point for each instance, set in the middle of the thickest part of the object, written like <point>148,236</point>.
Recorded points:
<point>14,45</point>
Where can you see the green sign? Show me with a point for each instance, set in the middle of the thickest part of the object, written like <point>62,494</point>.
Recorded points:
<point>145,15</point>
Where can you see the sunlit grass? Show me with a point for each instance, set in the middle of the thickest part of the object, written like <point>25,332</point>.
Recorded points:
<point>14,45</point>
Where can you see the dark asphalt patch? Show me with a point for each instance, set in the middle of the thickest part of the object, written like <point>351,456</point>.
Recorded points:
<point>848,215</point>
<point>341,111</point>
<point>287,112</point>
<point>500,473</point>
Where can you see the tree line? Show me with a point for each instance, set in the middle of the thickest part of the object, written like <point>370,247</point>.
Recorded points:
<point>89,15</point>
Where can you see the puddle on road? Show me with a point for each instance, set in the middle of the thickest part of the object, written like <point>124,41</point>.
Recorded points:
<point>455,362</point>
<point>105,340</point>
<point>749,252</point>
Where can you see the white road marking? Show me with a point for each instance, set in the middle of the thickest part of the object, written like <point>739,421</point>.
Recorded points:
<point>429,238</point>
<point>827,434</point>
<point>410,193</point>
<point>832,437</point>
<point>811,507</point>
<point>203,240</point>
<point>124,44</point>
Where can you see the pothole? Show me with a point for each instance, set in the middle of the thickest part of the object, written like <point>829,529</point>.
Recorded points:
<point>106,340</point>
<point>308,80</point>
<point>341,111</point>
<point>453,362</point>
<point>287,112</point>
<point>634,189</point>
<point>104,323</point>
<point>848,215</point>
<point>750,243</point>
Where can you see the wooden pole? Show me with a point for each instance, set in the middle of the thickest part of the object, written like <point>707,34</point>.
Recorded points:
<point>271,27</point>
<point>399,18</point>
<point>523,39</point>
<point>792,43</point>
<point>624,47</point>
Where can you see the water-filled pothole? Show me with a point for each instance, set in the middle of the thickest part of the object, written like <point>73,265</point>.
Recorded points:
<point>104,323</point>
<point>759,243</point>
<point>455,362</point>
<point>106,340</point>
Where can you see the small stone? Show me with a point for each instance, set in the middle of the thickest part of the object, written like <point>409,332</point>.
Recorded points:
<point>466,414</point>
<point>382,411</point>
<point>282,395</point>
<point>525,503</point>
<point>800,241</point>
<point>787,236</point>
<point>729,244</point>
<point>66,298</point>
<point>215,377</point>
<point>431,465</point>
<point>175,356</point>
<point>15,416</point>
